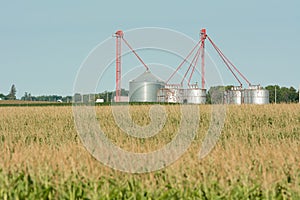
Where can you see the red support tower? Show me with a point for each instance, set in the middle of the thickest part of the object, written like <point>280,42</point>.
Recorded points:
<point>119,36</point>
<point>203,37</point>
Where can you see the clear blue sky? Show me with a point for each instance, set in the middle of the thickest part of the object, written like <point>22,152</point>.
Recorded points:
<point>43,43</point>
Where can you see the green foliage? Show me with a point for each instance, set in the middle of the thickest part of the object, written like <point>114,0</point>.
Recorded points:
<point>109,95</point>
<point>256,157</point>
<point>50,98</point>
<point>282,94</point>
<point>215,94</point>
<point>2,96</point>
<point>21,185</point>
<point>12,93</point>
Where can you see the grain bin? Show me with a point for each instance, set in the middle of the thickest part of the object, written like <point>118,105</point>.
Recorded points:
<point>234,96</point>
<point>256,95</point>
<point>161,96</point>
<point>171,94</point>
<point>195,96</point>
<point>145,88</point>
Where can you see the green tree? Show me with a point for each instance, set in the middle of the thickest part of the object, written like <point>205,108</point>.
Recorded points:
<point>2,96</point>
<point>27,97</point>
<point>215,94</point>
<point>106,95</point>
<point>271,89</point>
<point>12,93</point>
<point>293,95</point>
<point>283,94</point>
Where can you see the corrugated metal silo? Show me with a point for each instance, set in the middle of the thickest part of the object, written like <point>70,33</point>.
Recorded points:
<point>145,88</point>
<point>161,97</point>
<point>171,94</point>
<point>256,95</point>
<point>195,96</point>
<point>234,96</point>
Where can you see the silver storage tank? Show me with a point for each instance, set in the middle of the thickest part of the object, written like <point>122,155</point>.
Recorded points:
<point>145,88</point>
<point>234,96</point>
<point>171,94</point>
<point>166,95</point>
<point>162,95</point>
<point>256,95</point>
<point>175,95</point>
<point>194,96</point>
<point>247,96</point>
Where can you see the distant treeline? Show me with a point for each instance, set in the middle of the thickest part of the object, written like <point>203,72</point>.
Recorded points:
<point>11,95</point>
<point>277,94</point>
<point>282,94</point>
<point>49,98</point>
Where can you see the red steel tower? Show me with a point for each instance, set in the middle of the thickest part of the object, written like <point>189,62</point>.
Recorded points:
<point>203,37</point>
<point>119,36</point>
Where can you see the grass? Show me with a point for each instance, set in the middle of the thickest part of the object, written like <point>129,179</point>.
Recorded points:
<point>256,157</point>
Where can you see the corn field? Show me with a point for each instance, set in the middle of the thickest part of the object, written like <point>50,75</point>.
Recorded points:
<point>256,157</point>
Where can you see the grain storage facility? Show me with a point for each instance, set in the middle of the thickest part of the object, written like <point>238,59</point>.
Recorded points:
<point>149,88</point>
<point>234,95</point>
<point>256,95</point>
<point>171,94</point>
<point>145,88</point>
<point>176,94</point>
<point>194,95</point>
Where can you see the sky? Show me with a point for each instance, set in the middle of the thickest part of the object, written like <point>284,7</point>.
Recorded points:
<point>44,43</point>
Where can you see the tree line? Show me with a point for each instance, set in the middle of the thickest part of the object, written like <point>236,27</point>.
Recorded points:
<point>11,95</point>
<point>277,94</point>
<point>51,98</point>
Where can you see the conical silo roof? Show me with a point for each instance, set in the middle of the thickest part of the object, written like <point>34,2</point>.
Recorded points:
<point>145,87</point>
<point>147,76</point>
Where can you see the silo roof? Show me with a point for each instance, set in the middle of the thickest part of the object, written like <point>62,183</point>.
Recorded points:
<point>147,76</point>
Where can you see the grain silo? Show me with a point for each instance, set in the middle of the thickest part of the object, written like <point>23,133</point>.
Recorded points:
<point>145,88</point>
<point>256,95</point>
<point>171,94</point>
<point>234,96</point>
<point>194,95</point>
<point>149,88</point>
